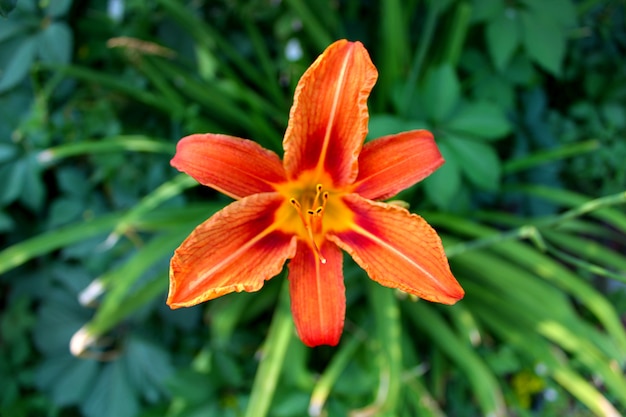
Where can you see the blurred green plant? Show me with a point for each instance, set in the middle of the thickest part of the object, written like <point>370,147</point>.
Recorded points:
<point>524,100</point>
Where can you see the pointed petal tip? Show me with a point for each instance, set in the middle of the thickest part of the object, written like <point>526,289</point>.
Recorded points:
<point>318,302</point>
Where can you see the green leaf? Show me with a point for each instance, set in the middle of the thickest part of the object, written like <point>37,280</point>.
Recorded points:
<point>54,44</point>
<point>544,41</point>
<point>12,179</point>
<point>479,162</point>
<point>503,37</point>
<point>58,8</point>
<point>10,28</point>
<point>33,191</point>
<point>148,367</point>
<point>7,152</point>
<point>111,394</point>
<point>441,92</point>
<point>482,120</point>
<point>63,210</point>
<point>19,65</point>
<point>68,378</point>
<point>443,185</point>
<point>6,222</point>
<point>6,6</point>
<point>486,10</point>
<point>561,11</point>
<point>385,124</point>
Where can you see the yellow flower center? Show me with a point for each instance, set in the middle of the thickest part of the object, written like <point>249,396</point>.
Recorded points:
<point>311,209</point>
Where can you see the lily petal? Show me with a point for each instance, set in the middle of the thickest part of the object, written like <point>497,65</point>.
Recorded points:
<point>234,166</point>
<point>399,250</point>
<point>328,119</point>
<point>318,299</point>
<point>390,164</point>
<point>237,249</point>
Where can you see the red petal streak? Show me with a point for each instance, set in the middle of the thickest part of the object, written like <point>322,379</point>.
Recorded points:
<point>235,250</point>
<point>328,119</point>
<point>399,250</point>
<point>318,300</point>
<point>236,167</point>
<point>393,163</point>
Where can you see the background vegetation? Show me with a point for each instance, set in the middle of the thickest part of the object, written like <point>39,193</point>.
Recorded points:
<point>526,100</point>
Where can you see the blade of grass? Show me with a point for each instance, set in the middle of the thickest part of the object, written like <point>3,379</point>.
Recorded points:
<point>456,36</point>
<point>394,44</point>
<point>209,38</point>
<point>122,143</point>
<point>482,381</point>
<point>536,159</point>
<point>21,252</point>
<point>166,191</point>
<point>538,350</point>
<point>273,358</point>
<point>599,208</point>
<point>536,262</point>
<point>118,303</point>
<point>425,41</point>
<point>310,23</point>
<point>327,379</point>
<point>114,83</point>
<point>388,337</point>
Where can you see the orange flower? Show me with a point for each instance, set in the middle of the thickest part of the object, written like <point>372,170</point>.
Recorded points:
<point>320,199</point>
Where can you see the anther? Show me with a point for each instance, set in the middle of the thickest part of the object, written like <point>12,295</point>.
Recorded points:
<point>312,218</point>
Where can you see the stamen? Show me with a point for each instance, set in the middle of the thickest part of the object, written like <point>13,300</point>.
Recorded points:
<point>312,219</point>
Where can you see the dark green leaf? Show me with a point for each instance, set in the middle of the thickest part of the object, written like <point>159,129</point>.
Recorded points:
<point>64,210</point>
<point>6,222</point>
<point>485,10</point>
<point>561,11</point>
<point>192,386</point>
<point>111,394</point>
<point>478,161</point>
<point>148,367</point>
<point>544,41</point>
<point>386,124</point>
<point>443,185</point>
<point>503,37</point>
<point>55,44</point>
<point>58,8</point>
<point>68,378</point>
<point>6,6</point>
<point>19,65</point>
<point>12,177</point>
<point>33,193</point>
<point>7,152</point>
<point>10,28</point>
<point>481,120</point>
<point>441,93</point>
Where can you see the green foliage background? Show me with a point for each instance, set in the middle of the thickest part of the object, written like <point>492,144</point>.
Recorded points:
<point>526,101</point>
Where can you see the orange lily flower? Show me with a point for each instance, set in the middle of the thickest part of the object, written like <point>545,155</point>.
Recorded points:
<point>320,199</point>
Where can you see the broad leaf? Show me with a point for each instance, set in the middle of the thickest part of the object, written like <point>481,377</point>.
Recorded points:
<point>443,185</point>
<point>482,120</point>
<point>19,65</point>
<point>503,37</point>
<point>479,162</point>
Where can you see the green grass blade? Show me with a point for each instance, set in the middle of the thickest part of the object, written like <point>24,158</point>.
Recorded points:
<point>311,24</point>
<point>482,381</point>
<point>122,143</point>
<point>19,253</point>
<point>273,358</point>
